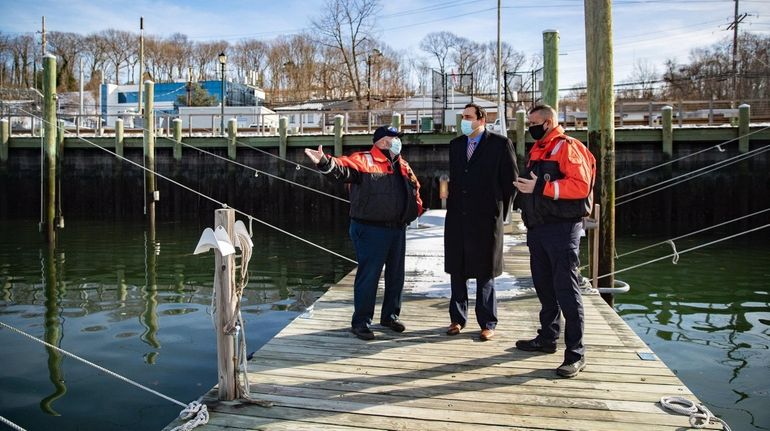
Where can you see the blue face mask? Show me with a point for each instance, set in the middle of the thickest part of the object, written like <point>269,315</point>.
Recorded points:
<point>395,146</point>
<point>467,127</point>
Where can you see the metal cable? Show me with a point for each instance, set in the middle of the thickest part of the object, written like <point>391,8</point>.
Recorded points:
<point>11,424</point>
<point>691,154</point>
<point>224,205</point>
<point>98,367</point>
<point>689,175</point>
<point>685,251</point>
<point>692,233</point>
<point>257,171</point>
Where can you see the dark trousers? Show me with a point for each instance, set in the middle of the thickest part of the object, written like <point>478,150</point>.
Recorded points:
<point>377,246</point>
<point>486,301</point>
<point>554,261</point>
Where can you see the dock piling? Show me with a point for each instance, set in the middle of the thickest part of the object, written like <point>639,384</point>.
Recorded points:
<point>232,136</point>
<point>49,125</point>
<point>177,139</point>
<point>338,132</point>
<point>744,113</point>
<point>668,130</point>
<point>551,68</point>
<point>521,136</point>
<point>5,136</point>
<point>224,279</point>
<point>601,127</point>
<point>119,137</point>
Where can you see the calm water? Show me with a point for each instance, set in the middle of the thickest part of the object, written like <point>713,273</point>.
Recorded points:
<point>101,295</point>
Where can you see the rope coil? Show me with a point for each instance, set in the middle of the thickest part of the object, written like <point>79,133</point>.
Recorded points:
<point>699,415</point>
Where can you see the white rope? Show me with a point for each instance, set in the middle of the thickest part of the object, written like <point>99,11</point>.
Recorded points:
<point>686,251</point>
<point>11,424</point>
<point>718,147</point>
<point>699,415</point>
<point>692,233</point>
<point>258,171</point>
<point>195,410</point>
<point>202,410</point>
<point>692,174</point>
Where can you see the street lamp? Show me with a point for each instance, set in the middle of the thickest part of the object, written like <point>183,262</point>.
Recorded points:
<point>222,62</point>
<point>375,53</point>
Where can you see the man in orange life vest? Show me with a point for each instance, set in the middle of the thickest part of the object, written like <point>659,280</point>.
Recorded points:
<point>555,192</point>
<point>384,198</point>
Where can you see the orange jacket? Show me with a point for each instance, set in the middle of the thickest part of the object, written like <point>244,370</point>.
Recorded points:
<point>375,185</point>
<point>575,162</point>
<point>565,171</point>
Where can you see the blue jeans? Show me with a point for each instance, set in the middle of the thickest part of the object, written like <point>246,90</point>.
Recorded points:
<point>377,246</point>
<point>553,250</point>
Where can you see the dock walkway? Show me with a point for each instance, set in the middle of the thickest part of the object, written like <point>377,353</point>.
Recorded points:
<point>319,376</point>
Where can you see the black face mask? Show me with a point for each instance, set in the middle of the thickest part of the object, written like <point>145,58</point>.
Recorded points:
<point>537,132</point>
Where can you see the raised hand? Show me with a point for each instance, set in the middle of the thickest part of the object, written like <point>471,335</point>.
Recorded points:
<point>315,155</point>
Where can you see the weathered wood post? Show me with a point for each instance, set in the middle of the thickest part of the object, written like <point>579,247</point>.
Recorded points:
<point>283,126</point>
<point>5,137</point>
<point>119,137</point>
<point>49,124</point>
<point>668,131</point>
<point>458,122</point>
<point>744,115</point>
<point>177,138</point>
<point>59,139</point>
<point>521,136</point>
<point>601,127</point>
<point>232,136</point>
<point>224,282</point>
<point>338,132</point>
<point>396,121</point>
<point>149,151</point>
<point>551,68</point>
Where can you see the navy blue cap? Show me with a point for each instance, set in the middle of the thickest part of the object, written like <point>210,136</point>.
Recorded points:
<point>383,131</point>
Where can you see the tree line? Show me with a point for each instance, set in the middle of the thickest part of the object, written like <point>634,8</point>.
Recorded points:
<point>341,57</point>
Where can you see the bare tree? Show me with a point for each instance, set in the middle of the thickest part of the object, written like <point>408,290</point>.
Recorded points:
<point>250,55</point>
<point>120,46</point>
<point>346,25</point>
<point>439,44</point>
<point>205,57</point>
<point>67,47</point>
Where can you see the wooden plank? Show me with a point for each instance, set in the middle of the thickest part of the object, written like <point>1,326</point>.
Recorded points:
<point>319,376</point>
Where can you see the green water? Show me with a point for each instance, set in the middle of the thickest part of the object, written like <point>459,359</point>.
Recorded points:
<point>103,295</point>
<point>143,311</point>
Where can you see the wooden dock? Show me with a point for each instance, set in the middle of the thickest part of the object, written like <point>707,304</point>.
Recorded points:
<point>319,376</point>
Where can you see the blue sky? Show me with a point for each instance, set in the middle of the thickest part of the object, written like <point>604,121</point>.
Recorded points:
<point>649,31</point>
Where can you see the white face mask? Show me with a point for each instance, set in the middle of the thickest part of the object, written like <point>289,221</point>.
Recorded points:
<point>395,146</point>
<point>466,126</point>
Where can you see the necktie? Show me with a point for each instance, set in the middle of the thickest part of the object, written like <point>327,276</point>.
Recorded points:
<point>471,147</point>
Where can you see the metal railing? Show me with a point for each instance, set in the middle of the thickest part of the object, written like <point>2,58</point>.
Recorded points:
<point>23,121</point>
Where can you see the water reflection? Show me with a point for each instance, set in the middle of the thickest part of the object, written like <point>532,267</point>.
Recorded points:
<point>54,291</point>
<point>111,297</point>
<point>702,318</point>
<point>149,316</point>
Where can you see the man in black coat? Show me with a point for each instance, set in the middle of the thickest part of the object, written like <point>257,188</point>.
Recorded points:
<point>482,166</point>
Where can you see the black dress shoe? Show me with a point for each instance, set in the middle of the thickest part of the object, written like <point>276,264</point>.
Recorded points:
<point>536,345</point>
<point>395,325</point>
<point>363,332</point>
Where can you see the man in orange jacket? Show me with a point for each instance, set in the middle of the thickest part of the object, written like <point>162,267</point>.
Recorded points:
<point>384,198</point>
<point>556,191</point>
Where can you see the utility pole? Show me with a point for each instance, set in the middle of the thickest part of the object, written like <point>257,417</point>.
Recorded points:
<point>737,19</point>
<point>501,114</point>
<point>43,33</point>
<point>140,82</point>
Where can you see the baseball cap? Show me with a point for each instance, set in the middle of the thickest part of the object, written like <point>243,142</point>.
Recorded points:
<point>383,131</point>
